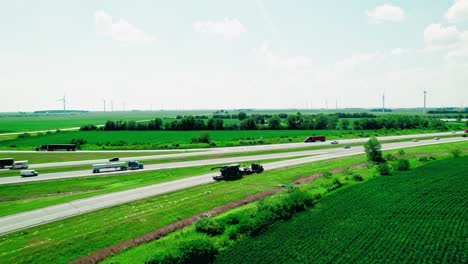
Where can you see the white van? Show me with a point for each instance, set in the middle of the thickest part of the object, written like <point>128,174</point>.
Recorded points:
<point>28,173</point>
<point>19,165</point>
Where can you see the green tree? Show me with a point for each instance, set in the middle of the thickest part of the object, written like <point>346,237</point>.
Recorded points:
<point>374,150</point>
<point>274,122</point>
<point>344,125</point>
<point>242,116</point>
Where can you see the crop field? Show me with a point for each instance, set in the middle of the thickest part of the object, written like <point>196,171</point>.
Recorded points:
<point>35,122</point>
<point>416,216</point>
<point>96,140</point>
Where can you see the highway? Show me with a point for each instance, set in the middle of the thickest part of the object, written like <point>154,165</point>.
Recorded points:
<point>52,213</point>
<point>222,150</point>
<point>182,164</point>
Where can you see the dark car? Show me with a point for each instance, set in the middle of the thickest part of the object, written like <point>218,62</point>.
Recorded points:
<point>114,159</point>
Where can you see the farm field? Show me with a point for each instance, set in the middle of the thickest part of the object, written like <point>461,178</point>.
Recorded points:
<point>71,238</point>
<point>36,122</point>
<point>124,140</point>
<point>416,216</point>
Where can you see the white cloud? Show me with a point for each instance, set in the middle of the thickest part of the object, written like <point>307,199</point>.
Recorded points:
<point>438,36</point>
<point>265,55</point>
<point>120,30</point>
<point>228,28</point>
<point>385,13</point>
<point>356,59</point>
<point>459,54</point>
<point>458,11</point>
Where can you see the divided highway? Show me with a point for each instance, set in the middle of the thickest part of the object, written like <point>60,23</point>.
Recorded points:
<point>52,213</point>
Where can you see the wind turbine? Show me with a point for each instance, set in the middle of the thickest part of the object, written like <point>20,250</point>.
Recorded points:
<point>104,101</point>
<point>63,99</point>
<point>425,92</point>
<point>383,101</point>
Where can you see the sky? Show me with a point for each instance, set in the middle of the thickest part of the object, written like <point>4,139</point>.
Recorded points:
<point>219,54</point>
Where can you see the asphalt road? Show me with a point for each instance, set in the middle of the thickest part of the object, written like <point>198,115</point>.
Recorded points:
<point>173,165</point>
<point>222,150</point>
<point>52,213</point>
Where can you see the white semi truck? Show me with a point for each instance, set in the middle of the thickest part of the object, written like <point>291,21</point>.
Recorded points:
<point>132,165</point>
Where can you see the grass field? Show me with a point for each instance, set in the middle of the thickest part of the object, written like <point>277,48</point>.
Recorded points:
<point>71,238</point>
<point>97,140</point>
<point>416,216</point>
<point>34,122</point>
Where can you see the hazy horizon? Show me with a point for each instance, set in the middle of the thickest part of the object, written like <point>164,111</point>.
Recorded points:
<point>211,54</point>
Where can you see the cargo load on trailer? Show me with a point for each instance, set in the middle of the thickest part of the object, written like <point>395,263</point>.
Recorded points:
<point>57,147</point>
<point>6,162</point>
<point>314,138</point>
<point>111,165</point>
<point>233,171</point>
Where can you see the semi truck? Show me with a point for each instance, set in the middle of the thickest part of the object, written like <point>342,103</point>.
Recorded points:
<point>6,162</point>
<point>19,165</point>
<point>234,172</point>
<point>314,138</point>
<point>57,147</point>
<point>132,165</point>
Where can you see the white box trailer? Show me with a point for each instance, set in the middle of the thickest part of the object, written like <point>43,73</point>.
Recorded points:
<point>19,165</point>
<point>111,165</point>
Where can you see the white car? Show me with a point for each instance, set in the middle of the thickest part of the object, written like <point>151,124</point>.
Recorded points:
<point>29,173</point>
<point>334,142</point>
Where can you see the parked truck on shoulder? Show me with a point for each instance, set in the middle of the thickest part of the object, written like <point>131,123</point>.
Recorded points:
<point>57,147</point>
<point>314,138</point>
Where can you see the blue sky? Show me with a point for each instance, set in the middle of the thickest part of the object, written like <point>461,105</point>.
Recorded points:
<point>232,54</point>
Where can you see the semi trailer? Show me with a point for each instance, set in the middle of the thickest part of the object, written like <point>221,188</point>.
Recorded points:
<point>6,162</point>
<point>132,165</point>
<point>314,138</point>
<point>57,147</point>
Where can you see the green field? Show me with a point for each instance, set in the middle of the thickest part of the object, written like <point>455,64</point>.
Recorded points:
<point>71,238</point>
<point>97,140</point>
<point>417,216</point>
<point>35,122</point>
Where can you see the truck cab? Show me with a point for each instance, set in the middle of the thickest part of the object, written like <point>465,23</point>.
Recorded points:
<point>135,165</point>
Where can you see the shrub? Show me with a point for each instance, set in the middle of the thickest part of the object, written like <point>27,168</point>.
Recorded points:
<point>403,165</point>
<point>209,226</point>
<point>401,152</point>
<point>203,138</point>
<point>24,135</point>
<point>384,169</point>
<point>390,157</point>
<point>191,251</point>
<point>327,174</point>
<point>423,158</point>
<point>455,152</point>
<point>358,177</point>
<point>197,251</point>
<point>88,128</point>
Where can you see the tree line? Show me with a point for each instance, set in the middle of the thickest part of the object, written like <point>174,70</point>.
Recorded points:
<point>296,121</point>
